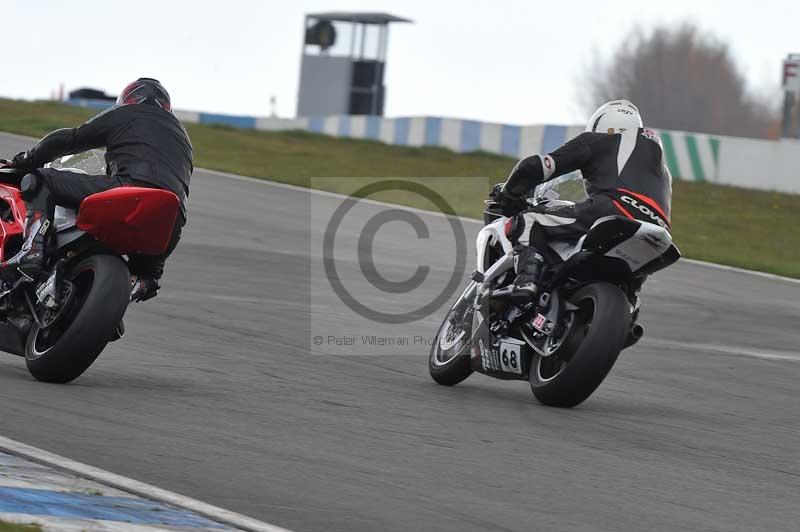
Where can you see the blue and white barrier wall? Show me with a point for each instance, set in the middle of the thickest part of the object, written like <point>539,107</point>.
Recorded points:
<point>742,162</point>
<point>457,135</point>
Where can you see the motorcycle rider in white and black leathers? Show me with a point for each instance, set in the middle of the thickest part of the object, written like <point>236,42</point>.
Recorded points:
<point>146,146</point>
<point>623,166</point>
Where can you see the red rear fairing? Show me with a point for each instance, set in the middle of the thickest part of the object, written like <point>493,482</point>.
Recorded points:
<point>130,219</point>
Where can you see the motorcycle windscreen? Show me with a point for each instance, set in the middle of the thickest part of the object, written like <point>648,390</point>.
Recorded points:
<point>130,220</point>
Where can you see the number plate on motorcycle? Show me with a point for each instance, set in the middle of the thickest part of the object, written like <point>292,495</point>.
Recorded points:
<point>510,360</point>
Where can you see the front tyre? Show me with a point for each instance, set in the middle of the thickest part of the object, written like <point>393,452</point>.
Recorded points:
<point>96,298</point>
<point>593,337</point>
<point>449,361</point>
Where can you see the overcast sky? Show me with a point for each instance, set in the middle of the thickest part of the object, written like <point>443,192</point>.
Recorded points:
<point>505,61</point>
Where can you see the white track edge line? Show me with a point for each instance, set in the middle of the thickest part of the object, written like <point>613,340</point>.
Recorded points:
<point>307,190</point>
<point>16,136</point>
<point>339,195</point>
<point>135,487</point>
<point>464,219</point>
<point>720,349</point>
<point>765,275</point>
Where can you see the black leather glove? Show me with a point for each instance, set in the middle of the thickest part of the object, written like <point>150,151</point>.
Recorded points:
<point>510,203</point>
<point>497,189</point>
<point>23,161</point>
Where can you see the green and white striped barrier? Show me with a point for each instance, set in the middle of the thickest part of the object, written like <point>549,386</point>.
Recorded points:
<point>691,156</point>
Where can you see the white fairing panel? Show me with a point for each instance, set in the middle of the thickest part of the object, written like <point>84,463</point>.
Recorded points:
<point>65,218</point>
<point>489,236</point>
<point>648,243</point>
<point>566,249</point>
<point>66,229</point>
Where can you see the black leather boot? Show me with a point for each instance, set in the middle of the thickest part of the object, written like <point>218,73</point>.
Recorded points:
<point>30,260</point>
<point>528,265</point>
<point>39,230</point>
<point>144,288</point>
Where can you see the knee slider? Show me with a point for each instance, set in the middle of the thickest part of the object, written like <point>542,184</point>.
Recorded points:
<point>29,186</point>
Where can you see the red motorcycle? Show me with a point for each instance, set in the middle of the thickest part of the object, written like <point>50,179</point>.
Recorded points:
<point>62,321</point>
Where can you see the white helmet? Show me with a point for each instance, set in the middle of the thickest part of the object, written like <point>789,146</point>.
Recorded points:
<point>615,117</point>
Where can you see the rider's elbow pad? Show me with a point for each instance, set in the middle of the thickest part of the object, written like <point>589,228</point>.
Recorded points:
<point>529,173</point>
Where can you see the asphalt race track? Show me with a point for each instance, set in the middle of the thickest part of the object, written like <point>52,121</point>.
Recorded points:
<point>215,394</point>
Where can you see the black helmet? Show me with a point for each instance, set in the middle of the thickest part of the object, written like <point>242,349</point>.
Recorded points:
<point>145,90</point>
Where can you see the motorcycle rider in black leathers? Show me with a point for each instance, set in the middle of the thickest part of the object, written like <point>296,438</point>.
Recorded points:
<point>146,146</point>
<point>623,166</point>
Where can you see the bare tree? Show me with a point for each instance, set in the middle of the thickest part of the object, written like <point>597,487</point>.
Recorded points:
<point>680,78</point>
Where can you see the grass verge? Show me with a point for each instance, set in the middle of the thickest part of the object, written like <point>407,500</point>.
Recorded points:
<point>738,227</point>
<point>14,527</point>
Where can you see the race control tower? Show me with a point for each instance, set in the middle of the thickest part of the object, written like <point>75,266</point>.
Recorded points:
<point>343,64</point>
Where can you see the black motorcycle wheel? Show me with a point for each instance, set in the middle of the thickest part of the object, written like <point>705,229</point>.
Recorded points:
<point>449,360</point>
<point>587,350</point>
<point>97,293</point>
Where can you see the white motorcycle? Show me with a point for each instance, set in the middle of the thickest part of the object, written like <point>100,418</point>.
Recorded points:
<point>567,341</point>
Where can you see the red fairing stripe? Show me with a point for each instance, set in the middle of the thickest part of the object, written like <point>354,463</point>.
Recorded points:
<point>647,200</point>
<point>622,209</point>
<point>509,227</point>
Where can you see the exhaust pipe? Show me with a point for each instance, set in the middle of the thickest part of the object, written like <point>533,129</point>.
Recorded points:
<point>635,334</point>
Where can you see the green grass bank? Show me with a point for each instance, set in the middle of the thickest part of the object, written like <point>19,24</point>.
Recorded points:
<point>738,227</point>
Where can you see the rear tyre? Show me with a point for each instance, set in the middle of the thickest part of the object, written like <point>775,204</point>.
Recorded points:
<point>592,341</point>
<point>449,361</point>
<point>98,295</point>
